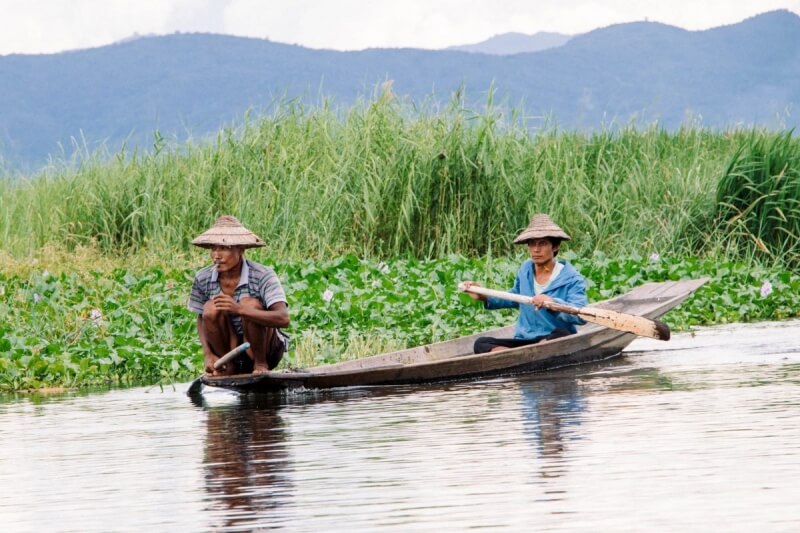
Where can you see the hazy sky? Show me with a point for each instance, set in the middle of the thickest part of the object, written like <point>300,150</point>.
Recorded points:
<point>44,26</point>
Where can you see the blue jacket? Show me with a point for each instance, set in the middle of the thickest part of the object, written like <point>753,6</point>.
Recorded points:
<point>568,288</point>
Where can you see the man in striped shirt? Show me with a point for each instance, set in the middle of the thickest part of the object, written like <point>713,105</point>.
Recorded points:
<point>236,301</point>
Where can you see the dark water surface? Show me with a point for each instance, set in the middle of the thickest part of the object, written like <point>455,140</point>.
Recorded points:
<point>698,434</point>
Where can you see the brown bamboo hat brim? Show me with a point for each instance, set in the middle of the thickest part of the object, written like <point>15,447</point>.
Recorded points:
<point>228,231</point>
<point>541,227</point>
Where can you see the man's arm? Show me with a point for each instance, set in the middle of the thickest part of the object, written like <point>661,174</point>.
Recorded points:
<point>277,316</point>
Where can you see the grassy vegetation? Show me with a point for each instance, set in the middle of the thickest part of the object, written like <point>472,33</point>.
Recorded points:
<point>383,180</point>
<point>758,196</point>
<point>388,207</point>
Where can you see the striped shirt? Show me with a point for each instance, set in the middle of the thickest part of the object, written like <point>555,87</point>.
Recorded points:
<point>256,280</point>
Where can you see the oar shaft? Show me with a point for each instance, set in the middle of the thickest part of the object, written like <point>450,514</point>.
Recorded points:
<point>519,298</point>
<point>498,294</point>
<point>606,317</point>
<point>230,355</point>
<point>197,385</point>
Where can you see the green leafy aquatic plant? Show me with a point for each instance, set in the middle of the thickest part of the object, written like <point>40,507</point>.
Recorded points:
<point>128,325</point>
<point>92,329</point>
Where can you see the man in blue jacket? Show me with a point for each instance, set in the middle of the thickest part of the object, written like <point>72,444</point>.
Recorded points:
<point>544,279</point>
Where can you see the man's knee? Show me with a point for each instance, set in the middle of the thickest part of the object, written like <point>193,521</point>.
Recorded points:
<point>251,303</point>
<point>484,345</point>
<point>210,311</point>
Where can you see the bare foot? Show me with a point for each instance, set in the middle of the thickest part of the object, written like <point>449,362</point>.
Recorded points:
<point>261,369</point>
<point>499,349</point>
<point>209,360</point>
<point>224,370</point>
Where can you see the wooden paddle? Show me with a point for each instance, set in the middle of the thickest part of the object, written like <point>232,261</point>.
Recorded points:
<point>638,325</point>
<point>197,384</point>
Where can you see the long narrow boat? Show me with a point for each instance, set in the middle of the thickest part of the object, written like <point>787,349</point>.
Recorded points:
<point>455,360</point>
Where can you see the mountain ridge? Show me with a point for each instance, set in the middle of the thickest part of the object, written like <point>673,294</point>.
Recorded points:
<point>514,43</point>
<point>191,84</point>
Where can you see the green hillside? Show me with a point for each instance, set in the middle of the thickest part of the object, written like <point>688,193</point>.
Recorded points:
<point>190,85</point>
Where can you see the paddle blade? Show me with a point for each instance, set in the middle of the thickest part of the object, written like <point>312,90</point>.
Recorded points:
<point>195,387</point>
<point>645,327</point>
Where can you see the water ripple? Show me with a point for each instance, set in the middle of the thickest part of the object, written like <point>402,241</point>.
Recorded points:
<point>701,433</point>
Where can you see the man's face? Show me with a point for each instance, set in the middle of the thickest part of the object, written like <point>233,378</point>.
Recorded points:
<point>541,250</point>
<point>226,258</point>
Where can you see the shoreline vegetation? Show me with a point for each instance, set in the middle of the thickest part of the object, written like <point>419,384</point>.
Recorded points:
<point>372,215</point>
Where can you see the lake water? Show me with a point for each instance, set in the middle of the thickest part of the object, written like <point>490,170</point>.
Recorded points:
<point>701,433</point>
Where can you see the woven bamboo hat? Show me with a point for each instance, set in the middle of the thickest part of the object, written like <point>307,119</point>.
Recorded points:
<point>228,231</point>
<point>541,226</point>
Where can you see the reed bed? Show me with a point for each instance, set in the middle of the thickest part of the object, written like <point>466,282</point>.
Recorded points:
<point>385,178</point>
<point>758,197</point>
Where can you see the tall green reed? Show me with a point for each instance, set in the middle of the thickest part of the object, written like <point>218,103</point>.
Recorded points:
<point>383,178</point>
<point>758,197</point>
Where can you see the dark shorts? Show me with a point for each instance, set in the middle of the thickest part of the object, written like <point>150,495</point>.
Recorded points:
<point>244,365</point>
<point>485,344</point>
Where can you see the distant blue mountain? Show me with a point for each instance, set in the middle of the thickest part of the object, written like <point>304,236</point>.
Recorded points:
<point>515,43</point>
<point>746,73</point>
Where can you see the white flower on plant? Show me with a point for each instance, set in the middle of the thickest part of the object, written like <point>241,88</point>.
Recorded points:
<point>96,315</point>
<point>376,283</point>
<point>46,274</point>
<point>654,257</point>
<point>327,295</point>
<point>766,289</point>
<point>383,268</point>
<point>36,298</point>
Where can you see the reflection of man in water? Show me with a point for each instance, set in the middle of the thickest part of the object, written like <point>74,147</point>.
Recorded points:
<point>552,412</point>
<point>246,464</point>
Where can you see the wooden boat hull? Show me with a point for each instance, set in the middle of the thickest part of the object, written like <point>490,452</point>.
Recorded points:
<point>454,359</point>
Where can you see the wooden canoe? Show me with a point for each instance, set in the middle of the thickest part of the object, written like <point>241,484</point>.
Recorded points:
<point>454,359</point>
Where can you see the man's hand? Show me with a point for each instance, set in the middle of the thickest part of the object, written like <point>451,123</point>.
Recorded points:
<point>227,304</point>
<point>467,285</point>
<point>540,299</point>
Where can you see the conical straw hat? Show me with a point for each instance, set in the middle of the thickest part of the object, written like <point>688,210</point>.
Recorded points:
<point>541,226</point>
<point>228,231</point>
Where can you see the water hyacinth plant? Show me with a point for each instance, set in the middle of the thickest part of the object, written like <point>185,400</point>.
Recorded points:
<point>121,326</point>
